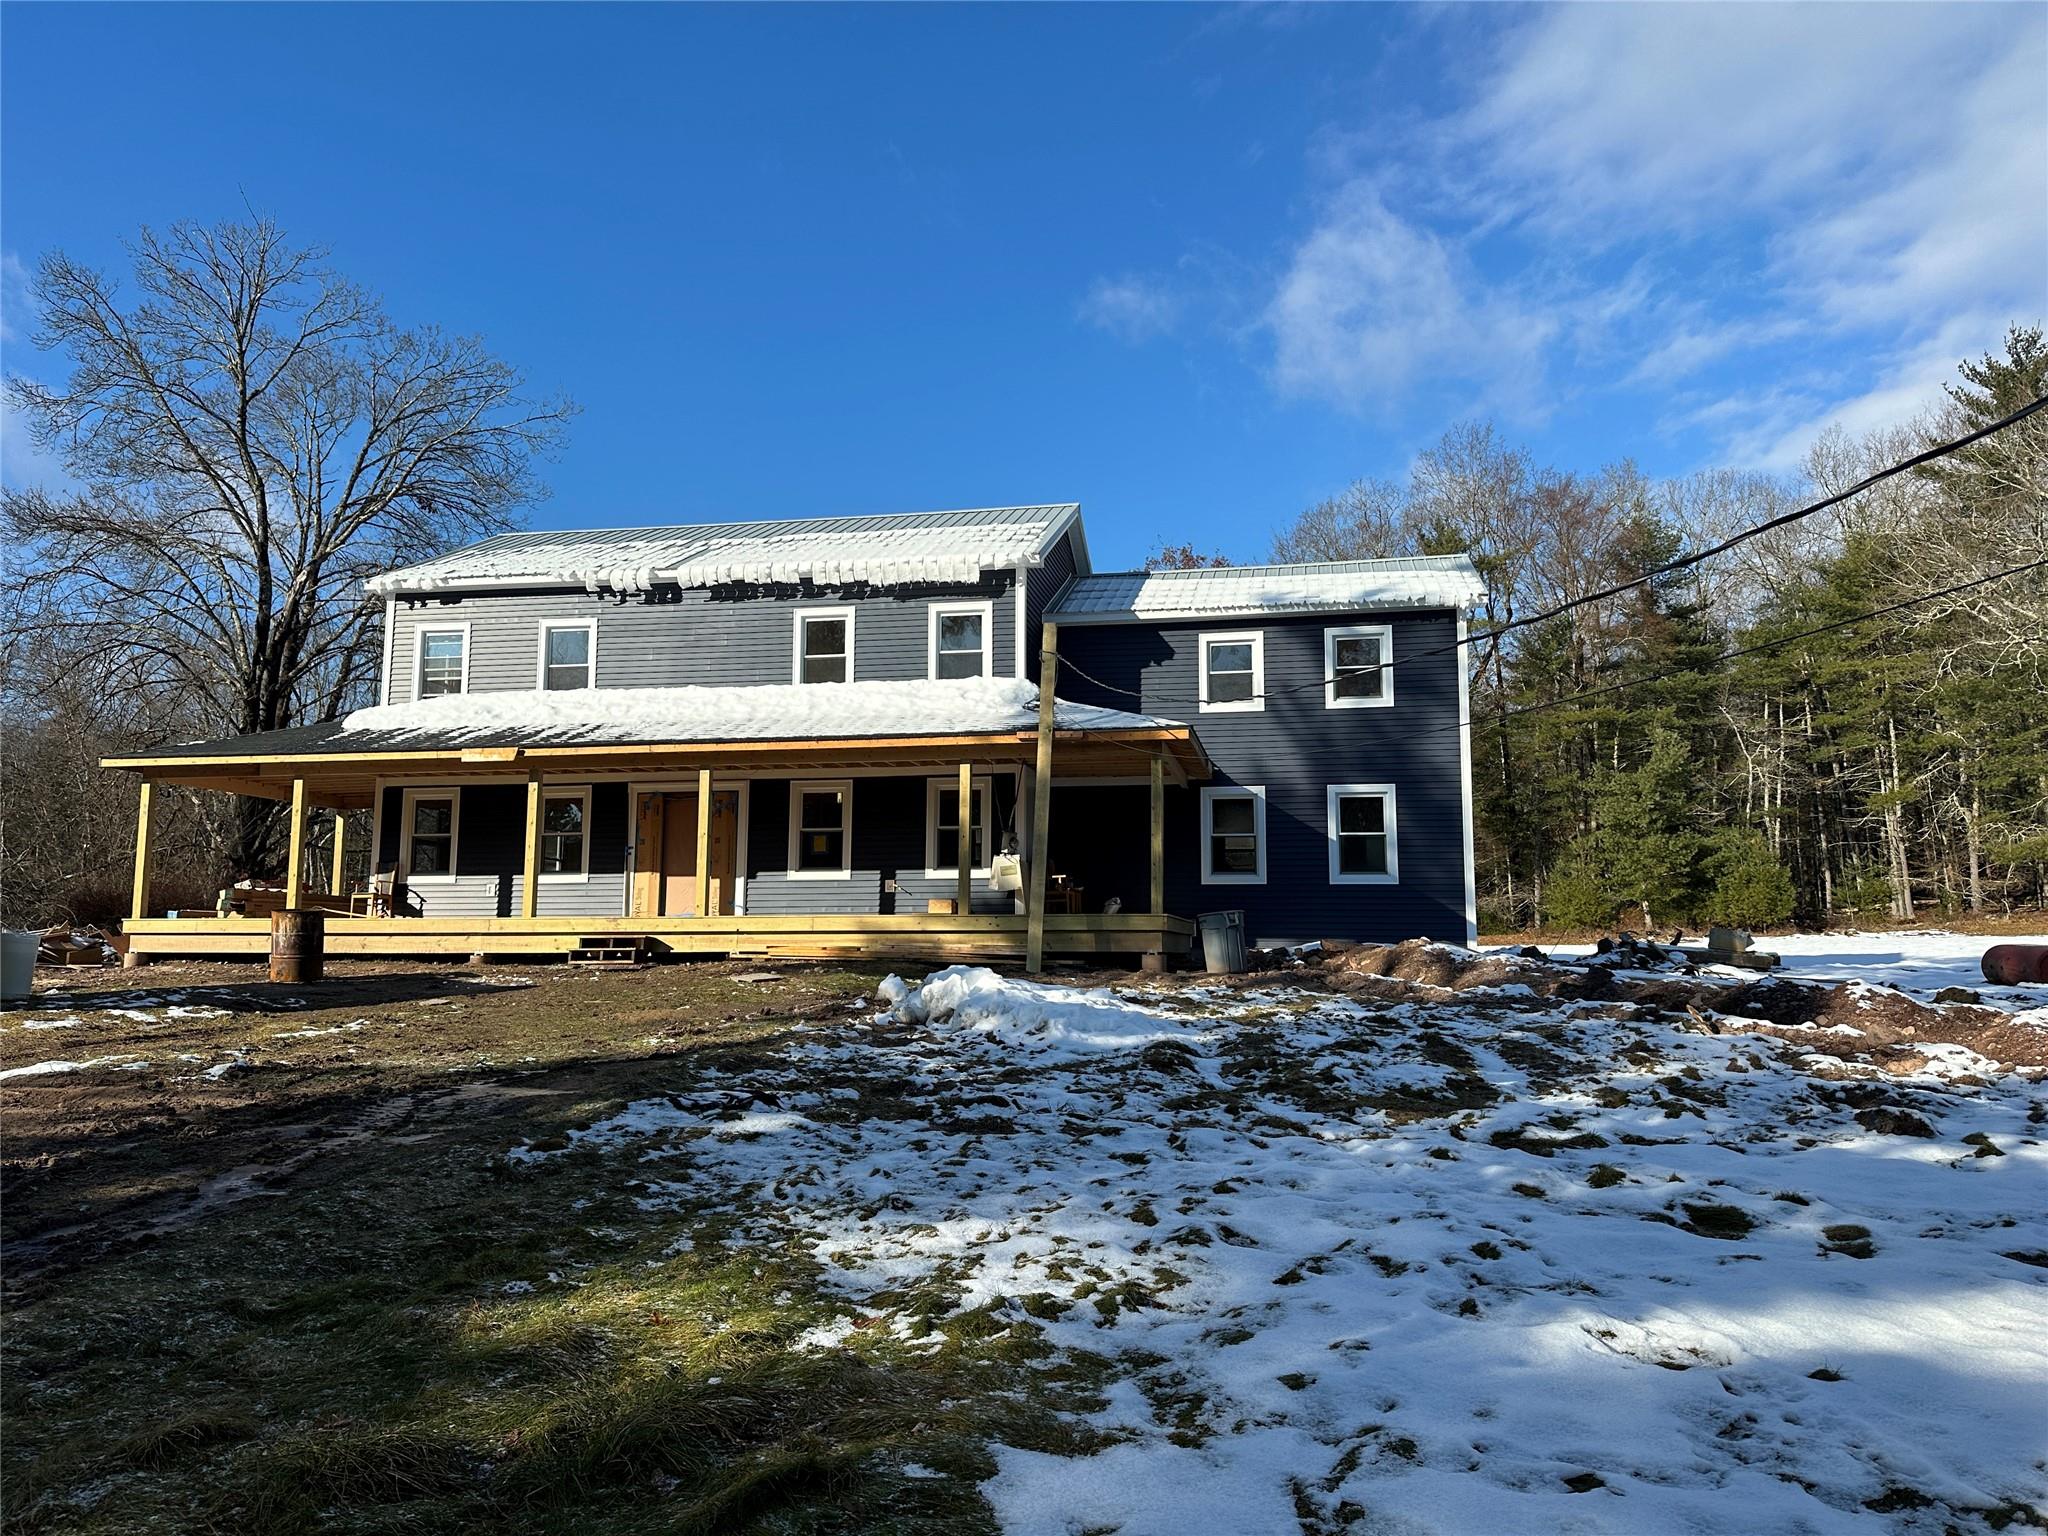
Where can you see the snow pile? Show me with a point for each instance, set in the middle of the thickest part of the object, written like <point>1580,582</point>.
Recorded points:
<point>767,712</point>
<point>1416,1268</point>
<point>1046,1023</point>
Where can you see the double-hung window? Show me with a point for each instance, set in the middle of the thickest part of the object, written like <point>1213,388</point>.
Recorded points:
<point>820,828</point>
<point>1234,835</point>
<point>1355,671</point>
<point>429,829</point>
<point>960,639</point>
<point>1233,672</point>
<point>1362,835</point>
<point>444,660</point>
<point>568,655</point>
<point>564,833</point>
<point>942,826</point>
<point>824,645</point>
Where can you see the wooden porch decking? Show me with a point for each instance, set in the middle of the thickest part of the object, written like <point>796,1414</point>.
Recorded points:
<point>925,935</point>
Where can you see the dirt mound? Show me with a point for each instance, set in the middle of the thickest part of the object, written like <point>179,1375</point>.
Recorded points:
<point>1887,1023</point>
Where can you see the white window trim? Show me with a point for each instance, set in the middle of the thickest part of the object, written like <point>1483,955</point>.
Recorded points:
<point>987,611</point>
<point>453,795</point>
<point>1210,795</point>
<point>419,654</point>
<point>547,793</point>
<point>540,663</point>
<point>1384,792</point>
<point>1385,634</point>
<point>798,620</point>
<point>1257,640</point>
<point>937,864</point>
<point>796,793</point>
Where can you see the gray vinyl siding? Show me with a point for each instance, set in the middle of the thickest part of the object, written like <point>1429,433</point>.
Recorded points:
<point>1296,748</point>
<point>490,856</point>
<point>1041,585</point>
<point>724,637</point>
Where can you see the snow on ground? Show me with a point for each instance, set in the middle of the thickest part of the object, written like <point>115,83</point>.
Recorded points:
<point>1423,1268</point>
<point>1921,961</point>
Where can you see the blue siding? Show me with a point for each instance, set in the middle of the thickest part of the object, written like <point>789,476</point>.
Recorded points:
<point>1296,748</point>
<point>1041,586</point>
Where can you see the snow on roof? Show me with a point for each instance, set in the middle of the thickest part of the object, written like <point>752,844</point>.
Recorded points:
<point>771,712</point>
<point>1327,586</point>
<point>887,550</point>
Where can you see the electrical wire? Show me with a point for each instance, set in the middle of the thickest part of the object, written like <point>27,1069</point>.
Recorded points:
<point>1500,718</point>
<point>1683,562</point>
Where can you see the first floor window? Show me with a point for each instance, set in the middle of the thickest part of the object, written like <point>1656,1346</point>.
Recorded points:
<point>441,661</point>
<point>824,646</point>
<point>1233,672</point>
<point>1354,666</point>
<point>960,640</point>
<point>1234,836</point>
<point>1362,834</point>
<point>563,821</point>
<point>565,656</point>
<point>942,835</point>
<point>430,835</point>
<point>818,831</point>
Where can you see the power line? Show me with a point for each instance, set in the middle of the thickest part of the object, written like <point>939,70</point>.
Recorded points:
<point>1683,562</point>
<point>1498,719</point>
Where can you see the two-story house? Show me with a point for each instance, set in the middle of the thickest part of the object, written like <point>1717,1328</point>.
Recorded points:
<point>826,736</point>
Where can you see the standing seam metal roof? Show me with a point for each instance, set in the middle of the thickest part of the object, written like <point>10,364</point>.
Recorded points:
<point>1327,586</point>
<point>896,547</point>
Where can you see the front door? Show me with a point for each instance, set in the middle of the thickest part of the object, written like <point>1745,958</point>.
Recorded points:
<point>676,817</point>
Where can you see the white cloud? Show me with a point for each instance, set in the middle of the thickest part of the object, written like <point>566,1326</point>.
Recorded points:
<point>15,317</point>
<point>1851,194</point>
<point>1132,308</point>
<point>1373,305</point>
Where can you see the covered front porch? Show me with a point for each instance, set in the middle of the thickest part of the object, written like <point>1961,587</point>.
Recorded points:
<point>517,843</point>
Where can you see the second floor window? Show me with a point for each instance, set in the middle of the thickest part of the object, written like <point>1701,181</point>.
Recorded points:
<point>960,640</point>
<point>568,656</point>
<point>1233,672</point>
<point>824,646</point>
<point>1355,666</point>
<point>443,661</point>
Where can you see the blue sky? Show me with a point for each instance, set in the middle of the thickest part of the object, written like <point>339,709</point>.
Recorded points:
<point>1193,267</point>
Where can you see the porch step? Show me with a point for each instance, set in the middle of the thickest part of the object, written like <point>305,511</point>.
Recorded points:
<point>610,952</point>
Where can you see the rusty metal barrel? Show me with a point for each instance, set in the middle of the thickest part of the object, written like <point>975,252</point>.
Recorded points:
<point>2014,965</point>
<point>298,945</point>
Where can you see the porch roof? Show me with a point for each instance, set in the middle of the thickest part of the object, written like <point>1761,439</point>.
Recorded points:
<point>586,731</point>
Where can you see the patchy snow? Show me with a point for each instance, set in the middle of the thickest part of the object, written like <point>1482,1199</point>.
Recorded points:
<point>1920,961</point>
<point>767,712</point>
<point>47,1068</point>
<point>1424,1268</point>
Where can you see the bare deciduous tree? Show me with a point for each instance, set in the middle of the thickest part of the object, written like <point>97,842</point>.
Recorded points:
<point>254,437</point>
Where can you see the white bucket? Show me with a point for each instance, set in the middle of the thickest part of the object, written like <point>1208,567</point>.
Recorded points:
<point>17,965</point>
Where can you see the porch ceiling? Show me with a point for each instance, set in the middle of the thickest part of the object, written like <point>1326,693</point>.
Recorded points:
<point>347,780</point>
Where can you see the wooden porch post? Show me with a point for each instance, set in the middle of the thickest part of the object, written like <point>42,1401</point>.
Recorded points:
<point>529,894</point>
<point>139,907</point>
<point>704,842</point>
<point>1041,800</point>
<point>966,840</point>
<point>295,868</point>
<point>1158,835</point>
<point>337,882</point>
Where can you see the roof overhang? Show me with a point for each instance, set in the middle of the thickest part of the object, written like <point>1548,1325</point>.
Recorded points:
<point>347,779</point>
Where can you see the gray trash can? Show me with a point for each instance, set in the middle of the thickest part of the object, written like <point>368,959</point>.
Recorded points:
<point>1222,942</point>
